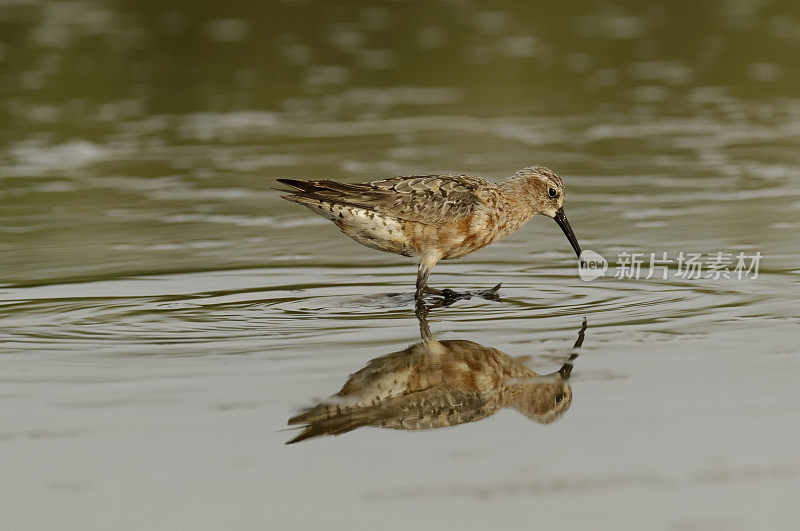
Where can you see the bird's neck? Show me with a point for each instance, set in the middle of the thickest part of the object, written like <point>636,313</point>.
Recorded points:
<point>517,191</point>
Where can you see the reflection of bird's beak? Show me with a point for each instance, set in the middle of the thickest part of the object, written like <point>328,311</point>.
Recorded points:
<point>561,219</point>
<point>562,374</point>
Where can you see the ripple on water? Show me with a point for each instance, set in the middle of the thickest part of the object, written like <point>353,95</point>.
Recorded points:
<point>237,312</point>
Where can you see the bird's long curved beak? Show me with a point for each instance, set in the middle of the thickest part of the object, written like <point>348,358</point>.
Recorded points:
<point>561,219</point>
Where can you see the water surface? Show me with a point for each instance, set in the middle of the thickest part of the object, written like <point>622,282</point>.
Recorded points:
<point>164,313</point>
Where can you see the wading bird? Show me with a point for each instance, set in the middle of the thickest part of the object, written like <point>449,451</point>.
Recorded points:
<point>435,217</point>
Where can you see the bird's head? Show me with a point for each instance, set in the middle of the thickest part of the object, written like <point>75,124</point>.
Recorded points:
<point>544,402</point>
<point>547,192</point>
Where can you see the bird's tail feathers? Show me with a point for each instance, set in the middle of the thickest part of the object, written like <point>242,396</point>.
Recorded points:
<point>336,419</point>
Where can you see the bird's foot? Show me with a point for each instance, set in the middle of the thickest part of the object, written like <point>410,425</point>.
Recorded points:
<point>429,290</point>
<point>448,293</point>
<point>491,293</point>
<point>449,296</point>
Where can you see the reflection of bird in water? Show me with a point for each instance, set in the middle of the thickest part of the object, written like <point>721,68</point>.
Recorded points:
<point>434,384</point>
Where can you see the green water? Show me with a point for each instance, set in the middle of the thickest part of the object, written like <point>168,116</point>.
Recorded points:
<point>164,312</point>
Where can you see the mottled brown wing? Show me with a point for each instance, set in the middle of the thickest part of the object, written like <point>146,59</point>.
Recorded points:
<point>437,407</point>
<point>432,408</point>
<point>430,199</point>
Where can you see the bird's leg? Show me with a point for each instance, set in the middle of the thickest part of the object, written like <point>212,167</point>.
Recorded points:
<point>423,272</point>
<point>422,315</point>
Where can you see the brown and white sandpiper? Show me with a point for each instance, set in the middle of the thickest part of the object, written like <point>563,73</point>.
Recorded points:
<point>435,217</point>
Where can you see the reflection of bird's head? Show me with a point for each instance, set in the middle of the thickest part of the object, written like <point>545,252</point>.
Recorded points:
<point>543,402</point>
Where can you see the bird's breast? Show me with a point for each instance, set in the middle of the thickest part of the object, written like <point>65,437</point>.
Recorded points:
<point>477,231</point>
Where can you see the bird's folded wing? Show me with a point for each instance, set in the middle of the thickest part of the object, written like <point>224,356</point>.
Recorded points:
<point>430,199</point>
<point>430,408</point>
<point>438,407</point>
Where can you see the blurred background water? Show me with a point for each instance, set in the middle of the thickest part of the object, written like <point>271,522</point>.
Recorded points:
<point>164,312</point>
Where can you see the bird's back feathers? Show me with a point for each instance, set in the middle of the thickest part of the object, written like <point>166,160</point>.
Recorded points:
<point>428,199</point>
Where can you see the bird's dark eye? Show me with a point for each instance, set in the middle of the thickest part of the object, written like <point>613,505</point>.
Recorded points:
<point>559,396</point>
<point>552,192</point>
